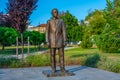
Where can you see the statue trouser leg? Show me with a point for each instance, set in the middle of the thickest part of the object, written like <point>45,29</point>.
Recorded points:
<point>61,59</point>
<point>52,59</point>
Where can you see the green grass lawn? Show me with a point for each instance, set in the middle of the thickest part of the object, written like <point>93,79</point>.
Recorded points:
<point>80,52</point>
<point>93,58</point>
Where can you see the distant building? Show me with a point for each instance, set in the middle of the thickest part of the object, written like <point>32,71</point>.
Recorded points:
<point>40,28</point>
<point>83,23</point>
<point>86,23</point>
<point>30,28</point>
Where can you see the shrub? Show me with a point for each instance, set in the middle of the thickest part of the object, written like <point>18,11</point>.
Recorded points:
<point>86,42</point>
<point>8,36</point>
<point>38,60</point>
<point>109,64</point>
<point>92,60</point>
<point>8,62</point>
<point>30,61</point>
<point>108,40</point>
<point>112,65</point>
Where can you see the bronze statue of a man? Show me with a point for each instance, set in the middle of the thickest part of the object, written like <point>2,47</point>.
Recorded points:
<point>56,39</point>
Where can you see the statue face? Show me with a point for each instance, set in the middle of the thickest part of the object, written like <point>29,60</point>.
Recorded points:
<point>55,13</point>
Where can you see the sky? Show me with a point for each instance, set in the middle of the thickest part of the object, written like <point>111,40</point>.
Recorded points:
<point>78,8</point>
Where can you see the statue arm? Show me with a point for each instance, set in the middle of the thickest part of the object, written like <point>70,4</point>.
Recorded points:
<point>47,32</point>
<point>64,33</point>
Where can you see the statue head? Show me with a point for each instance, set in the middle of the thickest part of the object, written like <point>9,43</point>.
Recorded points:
<point>54,13</point>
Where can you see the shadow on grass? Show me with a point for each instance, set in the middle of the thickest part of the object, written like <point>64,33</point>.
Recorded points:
<point>91,61</point>
<point>80,55</point>
<point>115,52</point>
<point>111,51</point>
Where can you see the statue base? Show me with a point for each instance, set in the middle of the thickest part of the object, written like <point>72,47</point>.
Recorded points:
<point>49,73</point>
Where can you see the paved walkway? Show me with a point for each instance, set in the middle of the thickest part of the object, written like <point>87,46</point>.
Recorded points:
<point>81,73</point>
<point>25,55</point>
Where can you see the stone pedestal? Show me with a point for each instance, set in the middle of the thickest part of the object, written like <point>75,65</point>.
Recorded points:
<point>49,73</point>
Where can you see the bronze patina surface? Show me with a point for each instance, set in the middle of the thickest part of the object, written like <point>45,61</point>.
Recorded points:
<point>56,40</point>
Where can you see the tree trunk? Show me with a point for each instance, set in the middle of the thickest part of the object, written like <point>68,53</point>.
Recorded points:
<point>22,44</point>
<point>39,46</point>
<point>28,45</point>
<point>17,47</point>
<point>35,46</point>
<point>3,47</point>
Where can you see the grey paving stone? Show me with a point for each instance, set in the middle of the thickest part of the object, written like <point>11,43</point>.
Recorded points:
<point>81,73</point>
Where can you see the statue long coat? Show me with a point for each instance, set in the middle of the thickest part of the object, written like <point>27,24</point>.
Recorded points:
<point>55,33</point>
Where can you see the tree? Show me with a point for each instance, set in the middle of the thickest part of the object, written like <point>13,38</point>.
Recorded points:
<point>8,36</point>
<point>116,12</point>
<point>19,12</point>
<point>112,12</point>
<point>87,38</point>
<point>105,37</point>
<point>73,30</point>
<point>69,19</point>
<point>108,40</point>
<point>109,6</point>
<point>35,37</point>
<point>77,33</point>
<point>97,22</point>
<point>42,37</point>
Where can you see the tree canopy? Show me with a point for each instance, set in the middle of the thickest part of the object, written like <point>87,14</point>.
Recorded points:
<point>19,12</point>
<point>8,36</point>
<point>73,30</point>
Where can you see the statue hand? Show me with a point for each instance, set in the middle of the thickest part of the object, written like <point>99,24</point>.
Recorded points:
<point>48,44</point>
<point>65,43</point>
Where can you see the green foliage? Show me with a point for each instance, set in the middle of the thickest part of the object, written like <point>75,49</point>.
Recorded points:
<point>109,40</point>
<point>117,8</point>
<point>87,39</point>
<point>112,13</point>
<point>86,43</point>
<point>106,37</point>
<point>69,19</point>
<point>92,60</point>
<point>97,22</point>
<point>38,60</point>
<point>112,65</point>
<point>8,36</point>
<point>73,31</point>
<point>29,61</point>
<point>109,6</point>
<point>35,37</point>
<point>9,62</point>
<point>42,37</point>
<point>78,33</point>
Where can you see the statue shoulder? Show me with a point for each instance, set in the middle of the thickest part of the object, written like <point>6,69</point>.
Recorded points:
<point>48,21</point>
